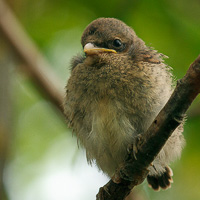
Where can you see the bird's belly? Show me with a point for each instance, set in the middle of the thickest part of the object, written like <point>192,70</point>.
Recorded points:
<point>111,133</point>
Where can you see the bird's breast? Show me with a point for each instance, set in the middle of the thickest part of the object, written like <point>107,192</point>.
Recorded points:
<point>108,106</point>
<point>111,132</point>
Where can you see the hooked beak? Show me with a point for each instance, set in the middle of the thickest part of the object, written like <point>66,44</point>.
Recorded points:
<point>90,49</point>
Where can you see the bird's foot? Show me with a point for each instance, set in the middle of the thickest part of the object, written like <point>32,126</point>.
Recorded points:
<point>138,140</point>
<point>161,181</point>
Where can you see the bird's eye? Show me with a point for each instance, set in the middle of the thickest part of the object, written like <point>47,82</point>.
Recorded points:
<point>117,43</point>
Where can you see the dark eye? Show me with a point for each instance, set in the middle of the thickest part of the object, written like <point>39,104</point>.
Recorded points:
<point>117,43</point>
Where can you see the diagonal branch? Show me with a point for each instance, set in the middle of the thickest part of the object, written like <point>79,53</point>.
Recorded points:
<point>36,64</point>
<point>5,114</point>
<point>160,130</point>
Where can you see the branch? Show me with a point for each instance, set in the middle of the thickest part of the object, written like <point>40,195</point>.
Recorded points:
<point>5,113</point>
<point>160,130</point>
<point>36,64</point>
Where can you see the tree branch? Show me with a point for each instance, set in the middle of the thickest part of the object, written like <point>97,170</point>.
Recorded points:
<point>160,130</point>
<point>25,48</point>
<point>5,112</point>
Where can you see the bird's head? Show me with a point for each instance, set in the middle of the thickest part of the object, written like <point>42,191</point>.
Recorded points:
<point>111,40</point>
<point>107,35</point>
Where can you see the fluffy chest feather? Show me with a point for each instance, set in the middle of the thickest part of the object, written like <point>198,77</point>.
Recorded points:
<point>108,107</point>
<point>110,134</point>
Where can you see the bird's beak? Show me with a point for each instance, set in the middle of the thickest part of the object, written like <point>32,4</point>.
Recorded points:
<point>90,49</point>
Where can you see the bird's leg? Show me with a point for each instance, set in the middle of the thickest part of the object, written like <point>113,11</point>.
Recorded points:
<point>138,140</point>
<point>126,171</point>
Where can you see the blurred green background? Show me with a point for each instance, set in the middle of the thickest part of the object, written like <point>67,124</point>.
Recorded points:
<point>44,161</point>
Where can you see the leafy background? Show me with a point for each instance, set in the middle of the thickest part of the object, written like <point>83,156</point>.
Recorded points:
<point>44,161</point>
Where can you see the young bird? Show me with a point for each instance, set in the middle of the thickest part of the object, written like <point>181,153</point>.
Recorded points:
<point>113,95</point>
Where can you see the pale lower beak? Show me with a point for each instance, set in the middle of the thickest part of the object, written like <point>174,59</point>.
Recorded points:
<point>90,49</point>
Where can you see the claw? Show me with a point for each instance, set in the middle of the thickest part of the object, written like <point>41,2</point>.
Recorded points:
<point>136,143</point>
<point>116,178</point>
<point>106,189</point>
<point>135,152</point>
<point>129,148</point>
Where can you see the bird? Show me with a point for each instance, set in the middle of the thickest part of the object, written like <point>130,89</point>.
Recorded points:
<point>117,86</point>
